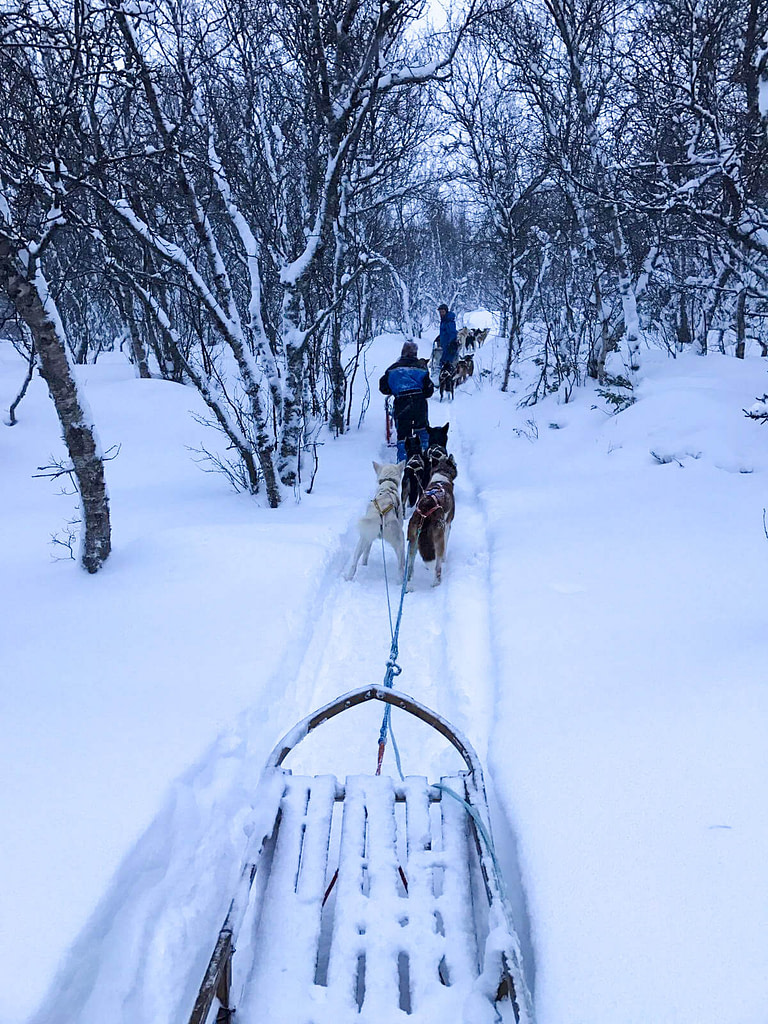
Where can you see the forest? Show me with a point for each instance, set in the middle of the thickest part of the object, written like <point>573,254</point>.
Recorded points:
<point>241,194</point>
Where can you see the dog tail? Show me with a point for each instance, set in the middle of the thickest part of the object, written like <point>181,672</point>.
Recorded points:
<point>427,546</point>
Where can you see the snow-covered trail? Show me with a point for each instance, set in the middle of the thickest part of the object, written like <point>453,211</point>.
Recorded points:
<point>446,657</point>
<point>444,638</point>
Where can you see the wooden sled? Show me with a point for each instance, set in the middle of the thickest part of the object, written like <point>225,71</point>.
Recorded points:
<point>373,900</point>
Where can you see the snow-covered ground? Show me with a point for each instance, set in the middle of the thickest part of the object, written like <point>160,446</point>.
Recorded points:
<point>599,636</point>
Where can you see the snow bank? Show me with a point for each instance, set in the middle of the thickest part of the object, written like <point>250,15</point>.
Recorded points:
<point>630,641</point>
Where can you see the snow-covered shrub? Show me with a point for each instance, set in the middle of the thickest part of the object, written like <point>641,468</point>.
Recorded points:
<point>758,411</point>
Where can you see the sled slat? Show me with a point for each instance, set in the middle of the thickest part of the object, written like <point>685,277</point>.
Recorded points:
<point>292,903</point>
<point>455,903</point>
<point>363,962</point>
<point>384,900</point>
<point>425,929</point>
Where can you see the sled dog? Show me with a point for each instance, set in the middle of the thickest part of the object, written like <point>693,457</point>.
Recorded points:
<point>447,381</point>
<point>438,444</point>
<point>384,515</point>
<point>430,525</point>
<point>416,472</point>
<point>475,339</point>
<point>434,359</point>
<point>465,368</point>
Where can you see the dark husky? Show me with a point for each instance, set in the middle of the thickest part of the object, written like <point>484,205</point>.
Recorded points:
<point>438,438</point>
<point>465,368</point>
<point>430,524</point>
<point>437,447</point>
<point>416,471</point>
<point>447,381</point>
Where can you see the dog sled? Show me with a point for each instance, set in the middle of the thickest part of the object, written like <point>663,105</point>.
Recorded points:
<point>368,900</point>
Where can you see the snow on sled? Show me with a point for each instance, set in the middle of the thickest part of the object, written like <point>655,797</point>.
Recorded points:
<point>372,901</point>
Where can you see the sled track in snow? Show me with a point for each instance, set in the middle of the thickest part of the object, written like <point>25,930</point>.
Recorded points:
<point>447,661</point>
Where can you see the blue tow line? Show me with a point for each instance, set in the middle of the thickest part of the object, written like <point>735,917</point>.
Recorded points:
<point>393,669</point>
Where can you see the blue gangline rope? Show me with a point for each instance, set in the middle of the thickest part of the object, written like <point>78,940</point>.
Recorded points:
<point>393,669</point>
<point>482,830</point>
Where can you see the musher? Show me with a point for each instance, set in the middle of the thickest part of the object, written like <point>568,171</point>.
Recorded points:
<point>449,343</point>
<point>409,382</point>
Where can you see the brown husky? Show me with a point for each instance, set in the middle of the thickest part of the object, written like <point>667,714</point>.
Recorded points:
<point>430,524</point>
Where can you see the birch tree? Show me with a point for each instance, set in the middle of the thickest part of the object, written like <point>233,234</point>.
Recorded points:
<point>44,65</point>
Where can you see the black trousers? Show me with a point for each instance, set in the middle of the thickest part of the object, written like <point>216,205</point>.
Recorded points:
<point>411,414</point>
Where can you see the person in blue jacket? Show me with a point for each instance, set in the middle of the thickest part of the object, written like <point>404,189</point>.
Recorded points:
<point>409,381</point>
<point>449,344</point>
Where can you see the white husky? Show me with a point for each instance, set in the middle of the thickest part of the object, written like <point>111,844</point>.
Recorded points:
<point>384,515</point>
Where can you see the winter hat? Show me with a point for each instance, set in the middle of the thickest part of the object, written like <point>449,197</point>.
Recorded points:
<point>410,349</point>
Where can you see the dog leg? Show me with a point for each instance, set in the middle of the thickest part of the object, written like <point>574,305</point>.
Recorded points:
<point>366,551</point>
<point>438,567</point>
<point>399,546</point>
<point>440,543</point>
<point>412,544</point>
<point>400,553</point>
<point>355,559</point>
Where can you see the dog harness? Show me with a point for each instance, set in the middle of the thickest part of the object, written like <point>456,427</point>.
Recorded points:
<point>435,452</point>
<point>383,511</point>
<point>432,498</point>
<point>392,502</point>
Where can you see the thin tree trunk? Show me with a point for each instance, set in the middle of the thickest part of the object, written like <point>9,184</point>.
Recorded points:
<point>138,348</point>
<point>683,325</point>
<point>37,309</point>
<point>741,324</point>
<point>710,308</point>
<point>627,293</point>
<point>290,442</point>
<point>338,380</point>
<point>293,412</point>
<point>23,389</point>
<point>510,327</point>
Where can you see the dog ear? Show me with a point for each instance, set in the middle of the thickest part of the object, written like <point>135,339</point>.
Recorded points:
<point>376,467</point>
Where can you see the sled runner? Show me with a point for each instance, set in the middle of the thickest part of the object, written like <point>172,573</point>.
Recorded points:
<point>369,900</point>
<point>389,422</point>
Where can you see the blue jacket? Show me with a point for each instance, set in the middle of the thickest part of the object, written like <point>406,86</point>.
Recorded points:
<point>448,342</point>
<point>409,381</point>
<point>407,375</point>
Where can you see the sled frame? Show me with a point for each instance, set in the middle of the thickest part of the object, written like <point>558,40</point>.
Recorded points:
<point>368,805</point>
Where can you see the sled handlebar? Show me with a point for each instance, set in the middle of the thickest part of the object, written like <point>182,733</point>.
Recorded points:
<point>376,692</point>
